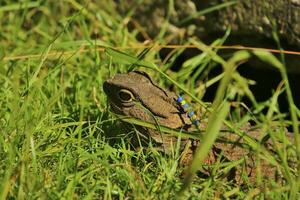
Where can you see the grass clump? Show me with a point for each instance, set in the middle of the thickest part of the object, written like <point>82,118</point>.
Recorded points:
<point>56,129</point>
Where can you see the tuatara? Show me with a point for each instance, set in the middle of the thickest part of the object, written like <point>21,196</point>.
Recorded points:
<point>134,94</point>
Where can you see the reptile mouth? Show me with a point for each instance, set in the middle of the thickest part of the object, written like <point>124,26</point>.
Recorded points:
<point>115,108</point>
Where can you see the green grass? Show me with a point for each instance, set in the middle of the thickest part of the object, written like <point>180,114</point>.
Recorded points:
<point>58,139</point>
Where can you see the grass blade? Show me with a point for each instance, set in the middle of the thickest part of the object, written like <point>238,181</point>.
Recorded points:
<point>19,6</point>
<point>213,128</point>
<point>273,61</point>
<point>208,10</point>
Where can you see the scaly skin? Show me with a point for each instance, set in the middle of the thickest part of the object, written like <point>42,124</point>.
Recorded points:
<point>135,95</point>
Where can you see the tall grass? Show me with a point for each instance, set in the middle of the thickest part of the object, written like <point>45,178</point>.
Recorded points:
<point>58,138</point>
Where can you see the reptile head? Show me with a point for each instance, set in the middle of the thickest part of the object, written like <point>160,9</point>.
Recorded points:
<point>135,95</point>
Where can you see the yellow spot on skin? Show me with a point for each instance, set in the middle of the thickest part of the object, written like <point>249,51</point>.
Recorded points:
<point>183,102</point>
<point>194,117</point>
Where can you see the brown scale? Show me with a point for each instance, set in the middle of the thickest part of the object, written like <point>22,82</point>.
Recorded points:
<point>134,94</point>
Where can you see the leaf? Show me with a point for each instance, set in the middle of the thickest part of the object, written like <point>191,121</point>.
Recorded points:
<point>269,58</point>
<point>213,129</point>
<point>123,58</point>
<point>120,57</point>
<point>207,10</point>
<point>183,134</point>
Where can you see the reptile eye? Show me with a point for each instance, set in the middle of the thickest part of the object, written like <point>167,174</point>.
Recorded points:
<point>125,95</point>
